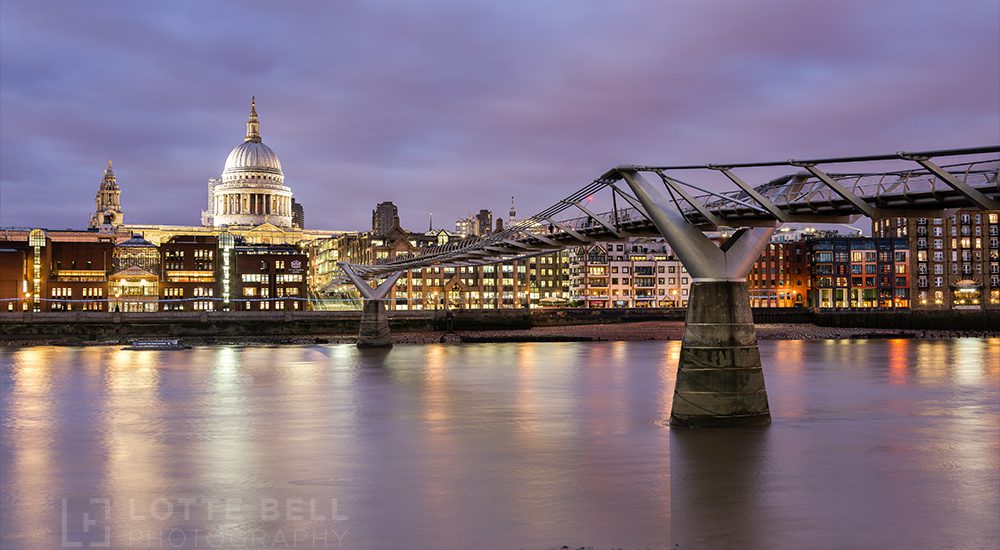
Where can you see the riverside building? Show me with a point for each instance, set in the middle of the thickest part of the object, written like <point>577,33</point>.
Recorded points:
<point>57,271</point>
<point>860,273</point>
<point>528,282</point>
<point>955,259</point>
<point>781,277</point>
<point>639,272</point>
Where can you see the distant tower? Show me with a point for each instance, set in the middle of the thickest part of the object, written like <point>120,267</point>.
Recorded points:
<point>208,215</point>
<point>511,215</point>
<point>430,223</point>
<point>298,215</point>
<point>108,211</point>
<point>485,221</point>
<point>383,218</point>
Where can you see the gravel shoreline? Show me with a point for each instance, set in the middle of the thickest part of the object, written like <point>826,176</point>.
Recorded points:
<point>629,332</point>
<point>673,330</point>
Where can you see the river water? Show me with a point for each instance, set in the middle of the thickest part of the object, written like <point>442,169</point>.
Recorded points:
<point>875,444</point>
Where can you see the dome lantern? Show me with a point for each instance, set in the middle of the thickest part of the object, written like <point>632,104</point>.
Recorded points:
<point>253,123</point>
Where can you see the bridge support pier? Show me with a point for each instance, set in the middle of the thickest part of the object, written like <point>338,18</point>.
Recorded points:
<point>720,381</point>
<point>719,377</point>
<point>374,329</point>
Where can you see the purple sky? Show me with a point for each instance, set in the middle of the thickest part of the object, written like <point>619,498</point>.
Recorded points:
<point>452,107</point>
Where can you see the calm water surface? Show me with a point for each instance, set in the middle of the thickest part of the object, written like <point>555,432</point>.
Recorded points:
<point>877,444</point>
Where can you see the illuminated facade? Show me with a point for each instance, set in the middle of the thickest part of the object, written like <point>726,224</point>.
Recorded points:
<point>780,277</point>
<point>860,273</point>
<point>641,272</point>
<point>14,276</point>
<point>271,277</point>
<point>955,259</point>
<point>135,278</point>
<point>252,189</point>
<point>38,273</point>
<point>63,271</point>
<point>528,282</point>
<point>189,273</point>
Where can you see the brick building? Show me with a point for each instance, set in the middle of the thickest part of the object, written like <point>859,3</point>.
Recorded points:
<point>955,259</point>
<point>191,273</point>
<point>860,272</point>
<point>14,277</point>
<point>269,277</point>
<point>88,271</point>
<point>781,276</point>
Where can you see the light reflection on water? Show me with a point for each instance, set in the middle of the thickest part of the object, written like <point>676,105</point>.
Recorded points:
<point>889,444</point>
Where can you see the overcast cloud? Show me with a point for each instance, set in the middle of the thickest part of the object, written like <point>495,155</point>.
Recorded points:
<point>448,107</point>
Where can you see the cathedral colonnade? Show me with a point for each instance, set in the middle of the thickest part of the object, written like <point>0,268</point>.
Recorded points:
<point>264,204</point>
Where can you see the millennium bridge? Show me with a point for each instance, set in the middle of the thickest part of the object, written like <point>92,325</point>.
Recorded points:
<point>719,379</point>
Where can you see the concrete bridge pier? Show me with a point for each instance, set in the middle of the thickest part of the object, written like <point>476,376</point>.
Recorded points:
<point>719,377</point>
<point>374,330</point>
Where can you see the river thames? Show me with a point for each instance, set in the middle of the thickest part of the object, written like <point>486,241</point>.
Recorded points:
<point>874,444</point>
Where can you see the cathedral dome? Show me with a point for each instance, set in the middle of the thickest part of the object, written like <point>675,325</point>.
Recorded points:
<point>252,190</point>
<point>252,157</point>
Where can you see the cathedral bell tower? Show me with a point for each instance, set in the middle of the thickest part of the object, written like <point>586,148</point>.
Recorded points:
<point>108,211</point>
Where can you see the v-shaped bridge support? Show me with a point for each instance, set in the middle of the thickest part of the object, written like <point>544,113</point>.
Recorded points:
<point>719,377</point>
<point>374,330</point>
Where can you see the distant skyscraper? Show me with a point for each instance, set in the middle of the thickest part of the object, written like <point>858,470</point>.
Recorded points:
<point>108,211</point>
<point>512,214</point>
<point>383,218</point>
<point>298,215</point>
<point>485,220</point>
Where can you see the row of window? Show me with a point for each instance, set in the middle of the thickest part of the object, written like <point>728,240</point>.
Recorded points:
<point>647,293</point>
<point>993,217</point>
<point>279,305</point>
<point>964,242</point>
<point>870,282</point>
<point>965,231</point>
<point>265,292</point>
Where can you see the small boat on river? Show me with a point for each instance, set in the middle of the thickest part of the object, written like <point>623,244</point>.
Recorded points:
<point>156,345</point>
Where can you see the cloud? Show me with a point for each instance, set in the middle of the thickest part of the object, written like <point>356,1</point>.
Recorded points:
<point>453,107</point>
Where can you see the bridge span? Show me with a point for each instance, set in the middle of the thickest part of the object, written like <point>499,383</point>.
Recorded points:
<point>720,381</point>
